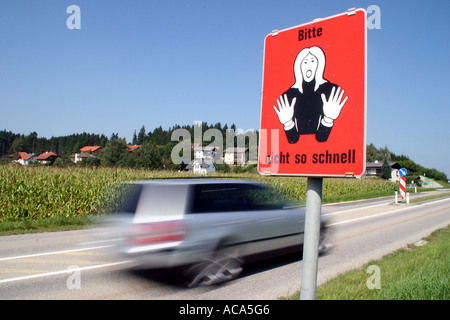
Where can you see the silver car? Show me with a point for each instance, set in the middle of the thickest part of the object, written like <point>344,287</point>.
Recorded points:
<point>207,228</point>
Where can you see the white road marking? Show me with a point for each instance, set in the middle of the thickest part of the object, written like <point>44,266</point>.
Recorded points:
<point>384,213</point>
<point>64,271</point>
<point>362,208</point>
<point>53,252</point>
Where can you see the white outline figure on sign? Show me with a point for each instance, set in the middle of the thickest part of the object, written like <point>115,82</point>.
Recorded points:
<point>313,103</point>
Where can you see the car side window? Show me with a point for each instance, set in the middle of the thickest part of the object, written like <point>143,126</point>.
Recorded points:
<point>210,198</point>
<point>261,198</point>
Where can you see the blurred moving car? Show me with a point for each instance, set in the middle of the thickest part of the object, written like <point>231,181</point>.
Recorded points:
<point>207,228</point>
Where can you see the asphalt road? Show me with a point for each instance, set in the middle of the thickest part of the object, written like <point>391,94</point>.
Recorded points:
<point>82,264</point>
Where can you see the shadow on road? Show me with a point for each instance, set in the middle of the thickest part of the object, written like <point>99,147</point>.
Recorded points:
<point>173,278</point>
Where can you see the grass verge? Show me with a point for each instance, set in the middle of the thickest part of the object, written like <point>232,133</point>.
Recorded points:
<point>413,273</point>
<point>426,198</point>
<point>50,224</point>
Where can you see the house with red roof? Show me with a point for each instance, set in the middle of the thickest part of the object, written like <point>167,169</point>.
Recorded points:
<point>131,148</point>
<point>47,158</point>
<point>92,149</point>
<point>25,158</point>
<point>86,152</point>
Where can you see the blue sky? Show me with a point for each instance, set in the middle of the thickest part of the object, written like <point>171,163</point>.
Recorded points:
<point>137,62</point>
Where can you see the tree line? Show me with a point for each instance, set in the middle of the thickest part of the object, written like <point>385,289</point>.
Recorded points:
<point>154,152</point>
<point>11,143</point>
<point>383,154</point>
<point>156,148</point>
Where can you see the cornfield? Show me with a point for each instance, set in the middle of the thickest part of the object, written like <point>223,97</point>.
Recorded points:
<point>42,192</point>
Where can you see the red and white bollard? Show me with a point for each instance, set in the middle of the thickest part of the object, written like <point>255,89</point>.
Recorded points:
<point>403,187</point>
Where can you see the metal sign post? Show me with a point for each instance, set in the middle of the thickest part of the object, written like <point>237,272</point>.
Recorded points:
<point>312,236</point>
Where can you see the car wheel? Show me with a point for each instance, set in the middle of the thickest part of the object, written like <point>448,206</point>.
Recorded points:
<point>223,266</point>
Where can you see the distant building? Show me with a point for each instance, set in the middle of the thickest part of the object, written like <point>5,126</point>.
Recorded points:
<point>207,153</point>
<point>77,157</point>
<point>374,169</point>
<point>236,156</point>
<point>199,166</point>
<point>131,148</point>
<point>25,158</point>
<point>92,149</point>
<point>47,158</point>
<point>85,153</point>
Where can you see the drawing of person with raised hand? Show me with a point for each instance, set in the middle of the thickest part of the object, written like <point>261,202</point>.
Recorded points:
<point>313,103</point>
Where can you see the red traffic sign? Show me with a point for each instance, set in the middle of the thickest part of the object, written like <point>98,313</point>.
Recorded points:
<point>313,113</point>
